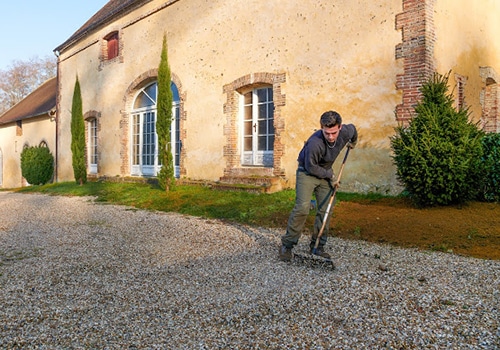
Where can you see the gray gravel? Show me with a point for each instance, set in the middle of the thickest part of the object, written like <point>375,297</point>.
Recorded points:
<point>75,274</point>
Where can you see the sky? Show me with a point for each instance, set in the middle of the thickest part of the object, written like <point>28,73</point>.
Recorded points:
<point>34,28</point>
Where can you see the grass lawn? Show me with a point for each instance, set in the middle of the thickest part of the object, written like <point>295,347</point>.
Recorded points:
<point>472,229</point>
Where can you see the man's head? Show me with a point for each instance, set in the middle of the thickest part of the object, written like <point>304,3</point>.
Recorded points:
<point>331,123</point>
<point>330,119</point>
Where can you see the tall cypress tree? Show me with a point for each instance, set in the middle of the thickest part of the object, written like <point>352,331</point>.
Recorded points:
<point>166,176</point>
<point>78,136</point>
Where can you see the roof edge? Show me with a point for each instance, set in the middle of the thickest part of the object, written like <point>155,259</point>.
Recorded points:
<point>50,112</point>
<point>112,10</point>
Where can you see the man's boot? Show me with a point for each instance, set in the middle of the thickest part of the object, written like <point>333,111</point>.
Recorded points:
<point>285,253</point>
<point>320,251</point>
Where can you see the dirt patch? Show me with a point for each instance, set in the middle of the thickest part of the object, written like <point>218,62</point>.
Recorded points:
<point>472,229</point>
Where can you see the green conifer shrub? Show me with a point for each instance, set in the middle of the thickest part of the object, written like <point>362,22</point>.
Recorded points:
<point>37,165</point>
<point>438,153</point>
<point>490,179</point>
<point>166,176</point>
<point>78,137</point>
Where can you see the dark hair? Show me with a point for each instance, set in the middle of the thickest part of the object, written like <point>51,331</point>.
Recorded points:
<point>330,119</point>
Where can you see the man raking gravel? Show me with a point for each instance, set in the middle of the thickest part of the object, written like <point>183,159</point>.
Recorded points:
<point>315,175</point>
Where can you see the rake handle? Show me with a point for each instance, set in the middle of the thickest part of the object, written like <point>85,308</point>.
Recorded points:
<point>330,202</point>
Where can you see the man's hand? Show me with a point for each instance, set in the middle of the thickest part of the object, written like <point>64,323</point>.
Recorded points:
<point>351,144</point>
<point>334,183</point>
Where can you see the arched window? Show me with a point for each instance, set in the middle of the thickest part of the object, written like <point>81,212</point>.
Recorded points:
<point>144,140</point>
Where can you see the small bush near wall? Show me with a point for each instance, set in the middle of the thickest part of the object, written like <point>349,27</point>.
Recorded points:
<point>37,165</point>
<point>490,184</point>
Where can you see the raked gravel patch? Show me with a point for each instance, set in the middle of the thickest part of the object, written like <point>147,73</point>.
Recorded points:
<point>76,274</point>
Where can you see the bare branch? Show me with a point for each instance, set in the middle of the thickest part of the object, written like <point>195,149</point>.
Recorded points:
<point>22,77</point>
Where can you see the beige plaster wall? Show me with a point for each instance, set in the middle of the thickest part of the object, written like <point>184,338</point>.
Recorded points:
<point>467,39</point>
<point>34,131</point>
<point>335,54</point>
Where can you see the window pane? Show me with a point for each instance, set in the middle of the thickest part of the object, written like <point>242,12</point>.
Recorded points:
<point>270,143</point>
<point>270,126</point>
<point>175,92</point>
<point>262,143</point>
<point>270,110</point>
<point>248,128</point>
<point>151,92</point>
<point>263,111</point>
<point>142,101</point>
<point>247,98</point>
<point>248,143</point>
<point>262,95</point>
<point>262,127</point>
<point>248,113</point>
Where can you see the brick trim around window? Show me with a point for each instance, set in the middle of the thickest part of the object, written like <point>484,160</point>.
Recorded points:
<point>87,117</point>
<point>490,100</point>
<point>106,58</point>
<point>231,151</point>
<point>416,23</point>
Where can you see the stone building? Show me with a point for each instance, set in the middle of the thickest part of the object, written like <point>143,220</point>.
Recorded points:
<point>251,78</point>
<point>31,122</point>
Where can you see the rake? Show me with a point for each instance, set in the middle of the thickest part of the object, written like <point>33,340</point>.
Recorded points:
<point>322,262</point>
<point>330,203</point>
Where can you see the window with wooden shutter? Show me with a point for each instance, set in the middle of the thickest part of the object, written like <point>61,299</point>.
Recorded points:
<point>113,47</point>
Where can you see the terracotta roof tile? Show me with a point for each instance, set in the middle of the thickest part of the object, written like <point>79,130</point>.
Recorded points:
<point>39,102</point>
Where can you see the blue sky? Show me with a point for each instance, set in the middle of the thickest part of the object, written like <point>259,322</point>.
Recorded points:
<point>32,28</point>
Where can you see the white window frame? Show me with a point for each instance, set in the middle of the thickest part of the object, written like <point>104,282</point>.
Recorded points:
<point>92,145</point>
<point>138,135</point>
<point>255,156</point>
<point>175,137</point>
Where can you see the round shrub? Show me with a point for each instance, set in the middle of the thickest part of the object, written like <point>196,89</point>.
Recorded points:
<point>37,165</point>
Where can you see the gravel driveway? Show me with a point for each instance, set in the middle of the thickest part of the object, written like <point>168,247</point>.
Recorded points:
<point>75,274</point>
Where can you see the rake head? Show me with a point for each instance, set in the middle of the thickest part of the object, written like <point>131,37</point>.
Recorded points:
<point>312,261</point>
